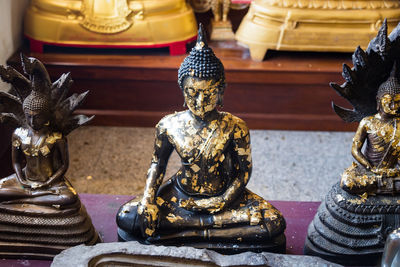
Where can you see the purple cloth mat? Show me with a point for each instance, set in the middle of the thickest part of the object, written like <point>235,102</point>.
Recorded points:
<point>103,209</point>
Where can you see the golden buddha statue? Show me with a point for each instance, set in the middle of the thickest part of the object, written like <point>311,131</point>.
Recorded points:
<point>361,211</point>
<point>313,25</point>
<point>377,170</point>
<point>221,26</point>
<point>110,24</point>
<point>206,203</point>
<point>41,213</point>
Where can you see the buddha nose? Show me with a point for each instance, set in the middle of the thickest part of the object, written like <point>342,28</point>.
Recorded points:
<point>200,98</point>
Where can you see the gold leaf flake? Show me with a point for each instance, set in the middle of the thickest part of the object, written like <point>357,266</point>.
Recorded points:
<point>149,232</point>
<point>364,197</point>
<point>386,201</point>
<point>160,201</point>
<point>51,139</point>
<point>195,168</point>
<point>45,150</point>
<point>173,218</point>
<point>237,134</point>
<point>16,143</point>
<point>243,152</point>
<point>211,170</point>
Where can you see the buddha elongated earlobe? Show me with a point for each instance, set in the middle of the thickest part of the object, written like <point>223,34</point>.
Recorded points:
<point>220,101</point>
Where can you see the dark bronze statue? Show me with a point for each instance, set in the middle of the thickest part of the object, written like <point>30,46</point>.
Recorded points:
<point>359,212</point>
<point>40,212</point>
<point>206,203</point>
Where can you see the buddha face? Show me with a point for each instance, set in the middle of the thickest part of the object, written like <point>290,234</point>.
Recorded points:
<point>36,119</point>
<point>390,104</point>
<point>201,95</point>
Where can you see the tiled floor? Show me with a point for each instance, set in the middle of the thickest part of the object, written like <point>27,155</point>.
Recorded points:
<point>288,165</point>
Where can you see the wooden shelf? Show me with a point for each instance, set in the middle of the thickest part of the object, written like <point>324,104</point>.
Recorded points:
<point>288,90</point>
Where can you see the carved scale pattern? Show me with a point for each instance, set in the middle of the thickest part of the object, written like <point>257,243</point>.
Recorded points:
<point>335,4</point>
<point>373,205</point>
<point>58,230</point>
<point>350,229</point>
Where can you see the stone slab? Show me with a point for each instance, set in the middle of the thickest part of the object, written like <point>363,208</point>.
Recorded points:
<point>150,255</point>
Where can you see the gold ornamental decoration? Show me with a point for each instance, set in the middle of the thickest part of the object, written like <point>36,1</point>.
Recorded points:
<point>105,16</point>
<point>110,24</point>
<point>335,4</point>
<point>314,25</point>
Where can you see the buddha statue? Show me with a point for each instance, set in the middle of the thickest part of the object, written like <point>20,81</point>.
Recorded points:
<point>41,214</point>
<point>359,213</point>
<point>376,171</point>
<point>205,204</point>
<point>110,24</point>
<point>221,26</point>
<point>313,25</point>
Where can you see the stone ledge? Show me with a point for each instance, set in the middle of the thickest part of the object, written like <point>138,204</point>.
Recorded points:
<point>151,255</point>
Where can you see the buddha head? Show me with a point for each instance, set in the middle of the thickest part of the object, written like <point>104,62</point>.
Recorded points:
<point>37,105</point>
<point>202,79</point>
<point>37,111</point>
<point>388,96</point>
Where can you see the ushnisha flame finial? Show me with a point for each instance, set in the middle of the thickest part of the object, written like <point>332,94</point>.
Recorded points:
<point>201,38</point>
<point>201,62</point>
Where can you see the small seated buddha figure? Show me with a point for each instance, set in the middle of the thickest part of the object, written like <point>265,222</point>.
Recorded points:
<point>206,203</point>
<point>361,210</point>
<point>377,169</point>
<point>40,211</point>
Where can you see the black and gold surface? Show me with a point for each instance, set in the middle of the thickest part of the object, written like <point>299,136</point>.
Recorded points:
<point>358,214</point>
<point>205,204</point>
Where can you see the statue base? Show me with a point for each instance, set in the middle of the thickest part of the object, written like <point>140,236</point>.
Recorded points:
<point>352,229</point>
<point>41,232</point>
<point>221,31</point>
<point>276,245</point>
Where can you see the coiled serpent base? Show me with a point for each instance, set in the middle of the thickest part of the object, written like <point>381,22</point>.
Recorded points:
<point>42,234</point>
<point>351,229</point>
